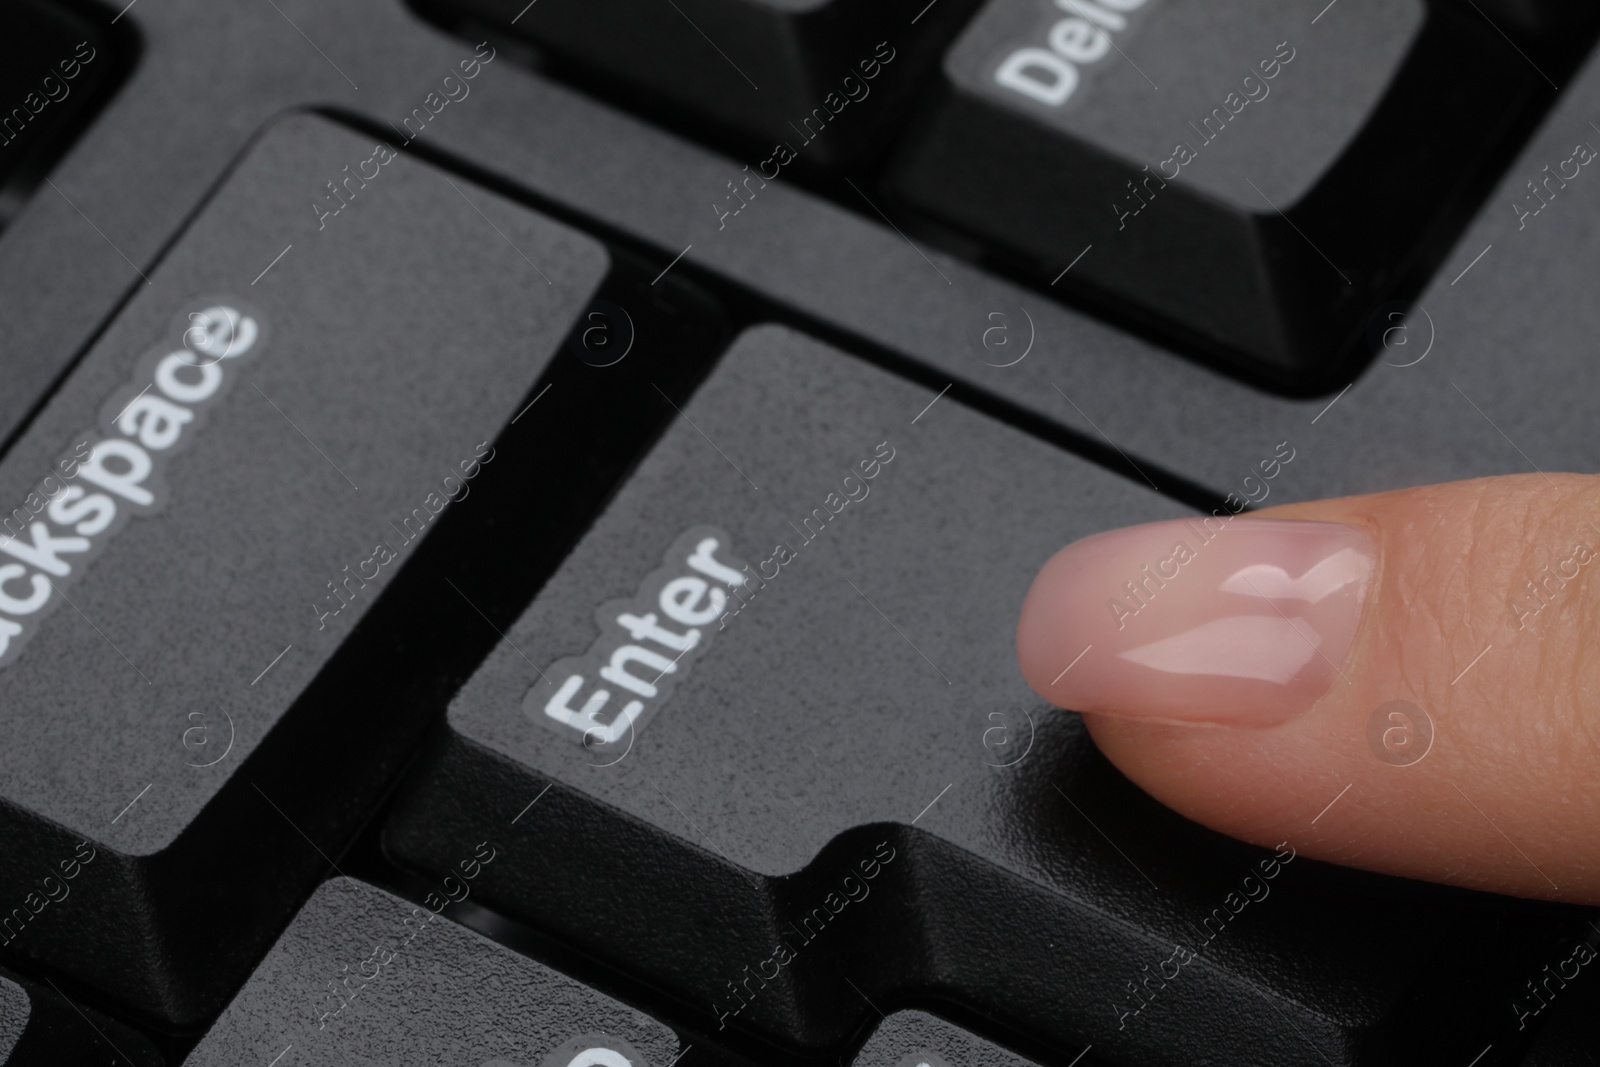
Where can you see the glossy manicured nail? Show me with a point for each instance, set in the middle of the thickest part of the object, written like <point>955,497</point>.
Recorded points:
<point>1237,621</point>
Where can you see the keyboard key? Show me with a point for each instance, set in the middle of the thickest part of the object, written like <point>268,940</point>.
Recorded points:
<point>1215,164</point>
<point>917,1039</point>
<point>209,509</point>
<point>53,67</point>
<point>41,1027</point>
<point>781,798</point>
<point>363,977</point>
<point>792,76</point>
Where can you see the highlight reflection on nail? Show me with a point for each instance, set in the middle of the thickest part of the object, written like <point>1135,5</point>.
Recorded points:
<point>1247,622</point>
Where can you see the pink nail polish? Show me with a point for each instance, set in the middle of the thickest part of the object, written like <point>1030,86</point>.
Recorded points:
<point>1237,621</point>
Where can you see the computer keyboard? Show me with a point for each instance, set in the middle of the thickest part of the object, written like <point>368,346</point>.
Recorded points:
<point>516,514</point>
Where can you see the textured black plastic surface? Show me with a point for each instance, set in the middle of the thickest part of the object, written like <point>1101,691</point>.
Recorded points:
<point>1216,165</point>
<point>848,714</point>
<point>765,72</point>
<point>13,1015</point>
<point>393,344</point>
<point>41,1027</point>
<point>363,977</point>
<point>917,1039</point>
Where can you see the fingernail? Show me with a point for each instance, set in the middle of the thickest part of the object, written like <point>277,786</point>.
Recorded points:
<point>1236,621</point>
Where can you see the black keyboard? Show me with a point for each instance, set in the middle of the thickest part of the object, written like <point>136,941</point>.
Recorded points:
<point>515,514</point>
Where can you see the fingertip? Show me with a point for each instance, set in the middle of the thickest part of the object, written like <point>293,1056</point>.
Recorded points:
<point>1236,620</point>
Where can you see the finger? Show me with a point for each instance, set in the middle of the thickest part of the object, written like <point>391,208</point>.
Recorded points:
<point>1407,682</point>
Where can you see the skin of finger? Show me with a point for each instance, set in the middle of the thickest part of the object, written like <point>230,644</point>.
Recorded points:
<point>1507,799</point>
